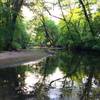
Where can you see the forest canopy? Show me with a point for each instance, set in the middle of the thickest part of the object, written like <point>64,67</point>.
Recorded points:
<point>57,23</point>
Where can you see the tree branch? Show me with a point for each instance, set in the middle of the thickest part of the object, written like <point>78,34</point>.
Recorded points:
<point>87,17</point>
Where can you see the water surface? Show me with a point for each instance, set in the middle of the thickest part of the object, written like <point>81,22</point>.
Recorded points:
<point>64,76</point>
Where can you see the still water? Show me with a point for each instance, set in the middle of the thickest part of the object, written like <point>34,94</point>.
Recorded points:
<point>63,76</point>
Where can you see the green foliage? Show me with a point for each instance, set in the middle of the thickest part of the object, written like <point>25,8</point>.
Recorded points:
<point>12,34</point>
<point>1,42</point>
<point>52,31</point>
<point>72,30</point>
<point>16,45</point>
<point>4,24</point>
<point>20,35</point>
<point>96,24</point>
<point>8,25</point>
<point>75,30</point>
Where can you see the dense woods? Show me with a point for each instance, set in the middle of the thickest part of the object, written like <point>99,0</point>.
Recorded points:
<point>49,49</point>
<point>77,25</point>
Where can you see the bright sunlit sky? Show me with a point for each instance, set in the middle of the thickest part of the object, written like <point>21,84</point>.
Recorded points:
<point>27,13</point>
<point>54,11</point>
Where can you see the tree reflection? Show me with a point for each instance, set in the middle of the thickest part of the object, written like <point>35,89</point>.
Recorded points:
<point>76,67</point>
<point>9,83</point>
<point>80,77</point>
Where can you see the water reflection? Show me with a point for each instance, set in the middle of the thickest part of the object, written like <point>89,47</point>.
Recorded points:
<point>64,76</point>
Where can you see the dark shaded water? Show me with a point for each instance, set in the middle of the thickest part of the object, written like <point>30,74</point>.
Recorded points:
<point>64,76</point>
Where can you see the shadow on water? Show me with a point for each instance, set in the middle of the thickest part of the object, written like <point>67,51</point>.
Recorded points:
<point>64,76</point>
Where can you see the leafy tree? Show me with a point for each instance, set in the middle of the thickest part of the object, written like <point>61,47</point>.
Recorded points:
<point>51,36</point>
<point>8,15</point>
<point>96,23</point>
<point>21,38</point>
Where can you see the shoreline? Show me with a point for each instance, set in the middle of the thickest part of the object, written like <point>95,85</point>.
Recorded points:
<point>21,57</point>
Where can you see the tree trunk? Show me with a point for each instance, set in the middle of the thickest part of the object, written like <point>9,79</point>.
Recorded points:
<point>87,17</point>
<point>17,4</point>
